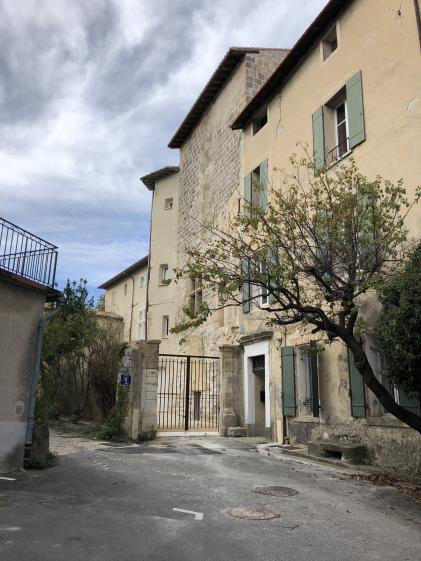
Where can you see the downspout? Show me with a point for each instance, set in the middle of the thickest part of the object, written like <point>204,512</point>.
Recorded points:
<point>418,18</point>
<point>131,308</point>
<point>35,378</point>
<point>149,269</point>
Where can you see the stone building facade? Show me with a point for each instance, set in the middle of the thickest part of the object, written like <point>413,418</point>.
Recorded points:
<point>210,164</point>
<point>372,74</point>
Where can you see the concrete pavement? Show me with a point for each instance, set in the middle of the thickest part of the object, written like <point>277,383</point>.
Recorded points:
<point>168,501</point>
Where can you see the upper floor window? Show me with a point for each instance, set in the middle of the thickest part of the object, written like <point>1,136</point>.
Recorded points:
<point>195,296</point>
<point>125,288</point>
<point>141,281</point>
<point>165,326</point>
<point>330,42</point>
<point>256,187</point>
<point>338,125</point>
<point>169,203</point>
<point>141,324</point>
<point>164,274</point>
<point>260,120</point>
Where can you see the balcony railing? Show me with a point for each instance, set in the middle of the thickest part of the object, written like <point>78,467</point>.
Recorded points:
<point>338,152</point>
<point>27,255</point>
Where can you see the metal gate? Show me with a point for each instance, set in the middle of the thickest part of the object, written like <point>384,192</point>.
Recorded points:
<point>188,392</point>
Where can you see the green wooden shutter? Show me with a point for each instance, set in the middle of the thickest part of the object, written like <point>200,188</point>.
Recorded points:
<point>288,381</point>
<point>247,193</point>
<point>245,271</point>
<point>354,100</point>
<point>314,379</point>
<point>264,185</point>
<point>318,138</point>
<point>356,391</point>
<point>410,402</point>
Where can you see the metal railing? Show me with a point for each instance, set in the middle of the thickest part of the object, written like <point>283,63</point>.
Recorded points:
<point>27,255</point>
<point>337,152</point>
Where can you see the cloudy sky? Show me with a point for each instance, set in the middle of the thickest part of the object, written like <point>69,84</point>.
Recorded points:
<point>91,92</point>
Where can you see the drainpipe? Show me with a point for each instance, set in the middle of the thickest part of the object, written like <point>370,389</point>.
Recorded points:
<point>148,277</point>
<point>35,377</point>
<point>418,18</point>
<point>131,309</point>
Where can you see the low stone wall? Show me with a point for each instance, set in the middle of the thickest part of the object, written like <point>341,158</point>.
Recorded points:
<point>390,445</point>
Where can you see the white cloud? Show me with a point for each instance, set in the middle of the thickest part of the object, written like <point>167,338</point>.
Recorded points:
<point>90,95</point>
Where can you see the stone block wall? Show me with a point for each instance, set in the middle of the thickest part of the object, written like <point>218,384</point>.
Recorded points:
<point>210,175</point>
<point>141,361</point>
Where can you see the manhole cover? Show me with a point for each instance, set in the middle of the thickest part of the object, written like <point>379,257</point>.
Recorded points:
<point>252,513</point>
<point>276,491</point>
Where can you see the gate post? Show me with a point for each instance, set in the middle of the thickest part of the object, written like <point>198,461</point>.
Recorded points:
<point>229,394</point>
<point>141,361</point>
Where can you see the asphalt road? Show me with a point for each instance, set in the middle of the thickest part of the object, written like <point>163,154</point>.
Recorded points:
<point>116,503</point>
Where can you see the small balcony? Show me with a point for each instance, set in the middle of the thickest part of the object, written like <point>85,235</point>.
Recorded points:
<point>338,152</point>
<point>26,255</point>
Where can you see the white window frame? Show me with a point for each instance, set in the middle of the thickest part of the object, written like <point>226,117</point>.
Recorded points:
<point>165,326</point>
<point>164,273</point>
<point>142,280</point>
<point>345,103</point>
<point>141,324</point>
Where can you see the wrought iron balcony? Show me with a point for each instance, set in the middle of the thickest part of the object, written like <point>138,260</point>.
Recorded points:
<point>338,152</point>
<point>27,255</point>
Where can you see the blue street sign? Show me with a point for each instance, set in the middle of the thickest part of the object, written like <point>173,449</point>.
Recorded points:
<point>125,379</point>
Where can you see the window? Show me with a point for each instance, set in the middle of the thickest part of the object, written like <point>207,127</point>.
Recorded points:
<point>141,324</point>
<point>113,297</point>
<point>141,281</point>
<point>338,125</point>
<point>330,42</point>
<point>260,293</point>
<point>196,295</point>
<point>307,381</point>
<point>163,273</point>
<point>256,188</point>
<point>169,203</point>
<point>165,326</point>
<point>260,120</point>
<point>125,288</point>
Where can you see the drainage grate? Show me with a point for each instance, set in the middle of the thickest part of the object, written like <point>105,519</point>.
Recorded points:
<point>276,491</point>
<point>252,513</point>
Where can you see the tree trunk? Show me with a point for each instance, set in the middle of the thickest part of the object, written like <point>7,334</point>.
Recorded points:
<point>384,397</point>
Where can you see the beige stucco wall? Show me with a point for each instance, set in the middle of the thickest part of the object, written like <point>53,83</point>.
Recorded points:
<point>386,49</point>
<point>163,250</point>
<point>126,299</point>
<point>20,311</point>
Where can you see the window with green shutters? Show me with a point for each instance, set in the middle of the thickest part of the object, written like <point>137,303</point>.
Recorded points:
<point>338,125</point>
<point>288,381</point>
<point>356,389</point>
<point>256,187</point>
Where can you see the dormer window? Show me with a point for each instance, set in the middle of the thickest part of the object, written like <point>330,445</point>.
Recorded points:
<point>330,42</point>
<point>260,120</point>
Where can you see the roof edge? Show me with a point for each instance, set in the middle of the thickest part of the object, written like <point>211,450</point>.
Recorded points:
<point>212,88</point>
<point>292,61</point>
<point>126,273</point>
<point>150,179</point>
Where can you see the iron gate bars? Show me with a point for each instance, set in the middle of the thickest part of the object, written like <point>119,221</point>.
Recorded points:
<point>188,392</point>
<point>27,255</point>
